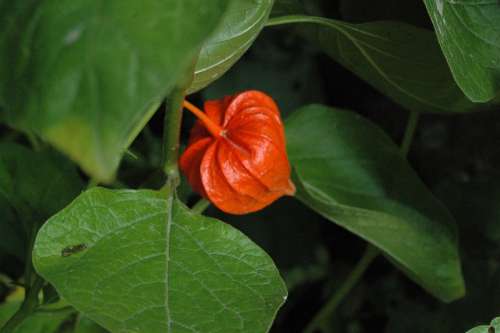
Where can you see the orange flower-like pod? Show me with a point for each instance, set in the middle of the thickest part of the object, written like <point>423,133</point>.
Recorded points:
<point>236,155</point>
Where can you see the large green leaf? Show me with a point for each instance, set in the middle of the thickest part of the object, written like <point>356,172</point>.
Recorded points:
<point>241,24</point>
<point>469,34</point>
<point>349,171</point>
<point>33,186</point>
<point>401,61</point>
<point>86,75</point>
<point>140,261</point>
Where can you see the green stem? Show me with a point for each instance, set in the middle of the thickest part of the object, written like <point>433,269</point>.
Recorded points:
<point>92,183</point>
<point>172,128</point>
<point>65,309</point>
<point>200,206</point>
<point>29,306</point>
<point>290,19</point>
<point>411,128</point>
<point>171,134</point>
<point>34,283</point>
<point>356,274</point>
<point>29,273</point>
<point>35,143</point>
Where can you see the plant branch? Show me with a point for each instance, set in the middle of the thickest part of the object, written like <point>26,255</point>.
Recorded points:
<point>354,277</point>
<point>411,128</point>
<point>200,206</point>
<point>171,133</point>
<point>34,283</point>
<point>65,309</point>
<point>172,129</point>
<point>28,307</point>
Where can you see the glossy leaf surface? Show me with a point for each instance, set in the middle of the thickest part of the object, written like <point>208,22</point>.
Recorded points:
<point>469,34</point>
<point>86,76</point>
<point>140,261</point>
<point>349,171</point>
<point>388,55</point>
<point>242,22</point>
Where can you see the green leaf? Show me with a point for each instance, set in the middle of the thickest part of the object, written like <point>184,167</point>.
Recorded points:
<point>492,328</point>
<point>242,22</point>
<point>140,261</point>
<point>86,325</point>
<point>388,55</point>
<point>33,186</point>
<point>349,171</point>
<point>86,75</point>
<point>36,323</point>
<point>469,34</point>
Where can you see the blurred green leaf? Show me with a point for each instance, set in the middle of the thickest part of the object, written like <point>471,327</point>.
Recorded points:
<point>242,22</point>
<point>36,323</point>
<point>350,171</point>
<point>140,261</point>
<point>388,55</point>
<point>469,34</point>
<point>33,186</point>
<point>86,76</point>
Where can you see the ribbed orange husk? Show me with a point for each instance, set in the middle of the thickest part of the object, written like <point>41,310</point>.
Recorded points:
<point>246,168</point>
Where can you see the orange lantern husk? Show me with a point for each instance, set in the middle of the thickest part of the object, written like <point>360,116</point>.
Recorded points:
<point>236,155</point>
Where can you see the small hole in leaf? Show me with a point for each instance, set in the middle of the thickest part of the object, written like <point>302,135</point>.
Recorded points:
<point>70,250</point>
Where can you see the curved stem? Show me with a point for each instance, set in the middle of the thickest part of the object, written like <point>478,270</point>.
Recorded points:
<point>34,283</point>
<point>212,127</point>
<point>411,128</point>
<point>65,309</point>
<point>290,19</point>
<point>356,274</point>
<point>29,306</point>
<point>200,206</point>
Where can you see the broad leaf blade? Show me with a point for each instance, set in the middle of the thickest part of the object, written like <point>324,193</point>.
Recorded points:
<point>349,171</point>
<point>242,22</point>
<point>469,34</point>
<point>390,57</point>
<point>33,187</point>
<point>138,261</point>
<point>84,75</point>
